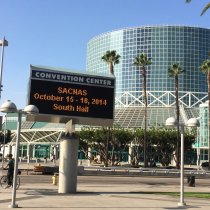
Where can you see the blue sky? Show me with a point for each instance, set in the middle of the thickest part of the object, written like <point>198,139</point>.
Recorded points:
<point>56,32</point>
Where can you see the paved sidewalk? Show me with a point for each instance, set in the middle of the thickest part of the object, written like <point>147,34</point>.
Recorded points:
<point>90,196</point>
<point>99,197</point>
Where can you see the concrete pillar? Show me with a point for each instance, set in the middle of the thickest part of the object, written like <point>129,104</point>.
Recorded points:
<point>68,161</point>
<point>56,152</point>
<point>90,156</point>
<point>51,151</point>
<point>28,153</point>
<point>12,150</point>
<point>173,162</point>
<point>33,151</point>
<point>22,147</point>
<point>9,149</point>
<point>129,153</point>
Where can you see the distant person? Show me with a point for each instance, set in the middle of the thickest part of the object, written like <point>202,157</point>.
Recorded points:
<point>10,170</point>
<point>53,159</point>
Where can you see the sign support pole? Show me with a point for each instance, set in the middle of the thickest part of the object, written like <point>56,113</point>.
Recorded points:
<point>68,161</point>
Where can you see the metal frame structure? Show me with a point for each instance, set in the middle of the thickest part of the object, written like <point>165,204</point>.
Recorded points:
<point>39,136</point>
<point>164,99</point>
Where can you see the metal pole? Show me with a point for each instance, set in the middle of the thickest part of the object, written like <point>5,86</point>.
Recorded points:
<point>13,204</point>
<point>4,43</point>
<point>198,150</point>
<point>182,203</point>
<point>5,126</point>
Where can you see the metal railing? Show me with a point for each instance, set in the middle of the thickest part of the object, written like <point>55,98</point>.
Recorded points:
<point>124,171</point>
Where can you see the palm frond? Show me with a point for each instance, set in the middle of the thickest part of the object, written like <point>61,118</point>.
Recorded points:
<point>111,57</point>
<point>205,66</point>
<point>142,59</point>
<point>205,8</point>
<point>175,70</point>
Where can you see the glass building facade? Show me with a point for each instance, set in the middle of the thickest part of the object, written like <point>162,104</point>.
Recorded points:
<point>202,143</point>
<point>165,45</point>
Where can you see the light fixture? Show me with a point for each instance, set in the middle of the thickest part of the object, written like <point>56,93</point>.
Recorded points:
<point>172,122</point>
<point>10,107</point>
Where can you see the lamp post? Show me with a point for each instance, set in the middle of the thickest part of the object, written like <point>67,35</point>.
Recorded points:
<point>5,127</point>
<point>198,150</point>
<point>172,122</point>
<point>3,43</point>
<point>10,107</point>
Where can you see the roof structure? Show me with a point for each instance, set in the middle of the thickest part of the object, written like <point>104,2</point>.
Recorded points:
<point>33,132</point>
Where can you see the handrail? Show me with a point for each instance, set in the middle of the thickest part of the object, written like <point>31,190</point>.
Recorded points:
<point>145,171</point>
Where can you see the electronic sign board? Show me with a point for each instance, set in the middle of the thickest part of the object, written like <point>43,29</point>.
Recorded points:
<point>62,95</point>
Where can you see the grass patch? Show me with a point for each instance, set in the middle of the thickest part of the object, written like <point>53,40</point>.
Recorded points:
<point>205,195</point>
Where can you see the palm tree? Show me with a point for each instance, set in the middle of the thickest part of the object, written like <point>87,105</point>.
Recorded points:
<point>205,68</point>
<point>143,61</point>
<point>174,71</point>
<point>205,8</point>
<point>112,58</point>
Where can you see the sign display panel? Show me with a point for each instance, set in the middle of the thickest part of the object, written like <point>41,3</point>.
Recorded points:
<point>67,95</point>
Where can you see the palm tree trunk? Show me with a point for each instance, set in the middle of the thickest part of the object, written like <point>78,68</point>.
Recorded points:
<point>145,116</point>
<point>107,148</point>
<point>177,117</point>
<point>111,68</point>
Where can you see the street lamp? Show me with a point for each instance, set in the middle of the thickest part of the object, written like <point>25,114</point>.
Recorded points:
<point>5,127</point>
<point>10,107</point>
<point>3,43</point>
<point>172,122</point>
<point>198,149</point>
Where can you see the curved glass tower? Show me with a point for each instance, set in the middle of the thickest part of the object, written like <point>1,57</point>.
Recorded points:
<point>166,45</point>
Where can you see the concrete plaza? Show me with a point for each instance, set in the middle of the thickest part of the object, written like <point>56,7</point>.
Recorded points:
<point>101,196</point>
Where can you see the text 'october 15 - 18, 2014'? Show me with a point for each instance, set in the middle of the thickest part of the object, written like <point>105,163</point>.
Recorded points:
<point>71,99</point>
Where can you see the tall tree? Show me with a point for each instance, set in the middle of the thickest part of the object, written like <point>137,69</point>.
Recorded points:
<point>205,68</point>
<point>174,71</point>
<point>111,57</point>
<point>204,9</point>
<point>142,60</point>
